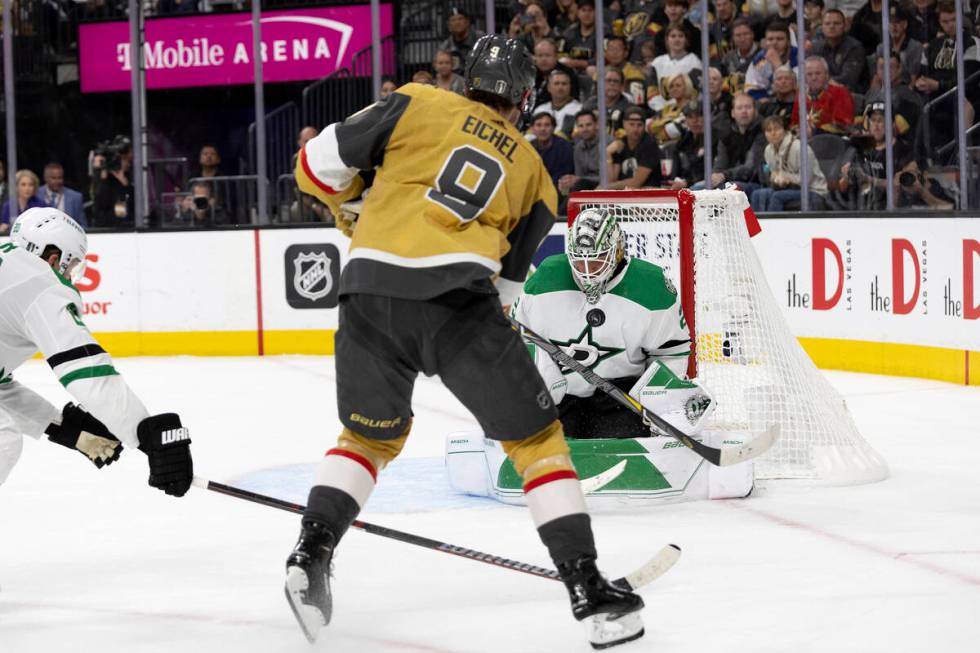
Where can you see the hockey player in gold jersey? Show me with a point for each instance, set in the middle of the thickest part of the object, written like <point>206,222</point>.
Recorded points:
<point>459,203</point>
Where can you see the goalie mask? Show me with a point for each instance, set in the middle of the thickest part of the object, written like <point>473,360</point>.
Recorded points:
<point>37,228</point>
<point>595,247</point>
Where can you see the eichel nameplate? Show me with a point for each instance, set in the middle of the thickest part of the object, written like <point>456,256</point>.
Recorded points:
<point>312,275</point>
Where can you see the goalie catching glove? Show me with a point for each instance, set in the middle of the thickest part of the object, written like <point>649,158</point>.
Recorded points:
<point>80,431</point>
<point>168,446</point>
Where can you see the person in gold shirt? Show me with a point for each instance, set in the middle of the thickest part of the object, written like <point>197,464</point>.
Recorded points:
<point>459,203</point>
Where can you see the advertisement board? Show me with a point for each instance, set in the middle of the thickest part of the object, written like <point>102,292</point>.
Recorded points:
<point>216,49</point>
<point>899,280</point>
<point>895,296</point>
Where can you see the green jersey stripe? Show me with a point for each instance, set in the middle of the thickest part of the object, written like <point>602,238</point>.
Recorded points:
<point>88,373</point>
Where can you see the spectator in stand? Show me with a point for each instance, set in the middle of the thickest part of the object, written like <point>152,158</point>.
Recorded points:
<point>744,48</point>
<point>909,50</point>
<point>564,15</point>
<point>563,107</point>
<point>55,193</point>
<point>938,75</point>
<point>446,79</point>
<point>209,161</point>
<point>778,52</point>
<point>784,95</point>
<point>726,16</point>
<point>113,201</point>
<point>785,13</point>
<point>674,12</point>
<point>782,156</point>
<point>813,10</point>
<point>844,54</point>
<point>586,155</point>
<point>924,23</point>
<point>617,56</point>
<point>863,178</point>
<point>579,40</point>
<point>678,60</point>
<point>535,27</point>
<point>546,60</point>
<point>24,197</point>
<point>634,160</point>
<point>648,52</point>
<point>906,103</point>
<point>721,98</point>
<point>423,77</point>
<point>556,153</point>
<point>200,209</point>
<point>866,26</point>
<point>740,151</point>
<point>668,125</point>
<point>687,167</point>
<point>616,102</point>
<point>462,38</point>
<point>829,106</point>
<point>388,87</point>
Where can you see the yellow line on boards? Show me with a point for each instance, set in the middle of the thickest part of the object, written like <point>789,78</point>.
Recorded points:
<point>892,359</point>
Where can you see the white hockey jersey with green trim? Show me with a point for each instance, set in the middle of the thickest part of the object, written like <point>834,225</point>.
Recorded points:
<point>41,310</point>
<point>638,319</point>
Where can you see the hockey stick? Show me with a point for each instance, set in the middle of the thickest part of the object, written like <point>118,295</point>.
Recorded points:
<point>720,457</point>
<point>657,566</point>
<point>602,479</point>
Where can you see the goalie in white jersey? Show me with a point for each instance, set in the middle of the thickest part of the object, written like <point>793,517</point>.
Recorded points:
<point>621,317</point>
<point>40,309</point>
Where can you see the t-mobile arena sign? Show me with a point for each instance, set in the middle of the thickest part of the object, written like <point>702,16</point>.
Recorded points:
<point>216,49</point>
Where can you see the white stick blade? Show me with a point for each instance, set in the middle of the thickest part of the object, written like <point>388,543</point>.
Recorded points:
<point>755,447</point>
<point>599,481</point>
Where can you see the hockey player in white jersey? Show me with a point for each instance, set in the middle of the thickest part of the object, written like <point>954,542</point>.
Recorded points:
<point>40,310</point>
<point>621,317</point>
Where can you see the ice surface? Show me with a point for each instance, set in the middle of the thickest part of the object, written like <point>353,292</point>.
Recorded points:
<point>97,561</point>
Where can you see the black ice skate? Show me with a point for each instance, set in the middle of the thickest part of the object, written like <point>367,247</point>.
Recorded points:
<point>308,578</point>
<point>611,614</point>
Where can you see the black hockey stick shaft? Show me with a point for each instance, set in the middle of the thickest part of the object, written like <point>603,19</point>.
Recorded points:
<point>711,454</point>
<point>384,531</point>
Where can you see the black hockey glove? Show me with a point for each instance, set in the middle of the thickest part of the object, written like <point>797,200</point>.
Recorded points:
<point>168,446</point>
<point>81,431</point>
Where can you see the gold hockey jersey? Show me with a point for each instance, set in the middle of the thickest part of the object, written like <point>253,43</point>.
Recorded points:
<point>458,196</point>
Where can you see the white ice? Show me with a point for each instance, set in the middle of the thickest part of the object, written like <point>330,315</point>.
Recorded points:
<point>98,561</point>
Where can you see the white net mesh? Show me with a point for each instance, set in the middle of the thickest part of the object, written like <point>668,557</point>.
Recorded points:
<point>746,355</point>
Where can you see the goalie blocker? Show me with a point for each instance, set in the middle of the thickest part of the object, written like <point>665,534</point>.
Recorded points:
<point>658,469</point>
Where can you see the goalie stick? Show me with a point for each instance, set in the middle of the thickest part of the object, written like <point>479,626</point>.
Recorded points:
<point>647,573</point>
<point>720,457</point>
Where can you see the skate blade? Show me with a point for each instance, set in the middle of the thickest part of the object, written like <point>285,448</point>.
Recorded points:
<point>607,630</point>
<point>310,619</point>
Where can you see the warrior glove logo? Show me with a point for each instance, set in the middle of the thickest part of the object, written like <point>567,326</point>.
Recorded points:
<point>312,275</point>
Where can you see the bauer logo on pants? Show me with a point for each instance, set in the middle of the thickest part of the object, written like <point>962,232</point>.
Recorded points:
<point>312,275</point>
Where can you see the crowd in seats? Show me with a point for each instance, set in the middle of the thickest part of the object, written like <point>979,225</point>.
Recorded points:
<point>653,70</point>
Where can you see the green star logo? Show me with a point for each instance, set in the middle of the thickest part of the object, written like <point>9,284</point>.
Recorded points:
<point>586,350</point>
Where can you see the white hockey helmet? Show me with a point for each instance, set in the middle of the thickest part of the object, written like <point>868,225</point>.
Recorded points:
<point>40,227</point>
<point>594,245</point>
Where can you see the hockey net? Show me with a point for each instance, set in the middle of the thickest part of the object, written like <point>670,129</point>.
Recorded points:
<point>742,348</point>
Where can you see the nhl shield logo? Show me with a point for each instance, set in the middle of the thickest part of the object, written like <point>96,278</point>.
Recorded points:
<point>312,275</point>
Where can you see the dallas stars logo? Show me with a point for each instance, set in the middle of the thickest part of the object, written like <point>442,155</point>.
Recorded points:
<point>586,350</point>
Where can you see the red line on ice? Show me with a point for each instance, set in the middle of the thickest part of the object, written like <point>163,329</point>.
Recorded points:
<point>869,548</point>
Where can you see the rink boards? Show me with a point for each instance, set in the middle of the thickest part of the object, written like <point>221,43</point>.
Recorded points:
<point>893,296</point>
